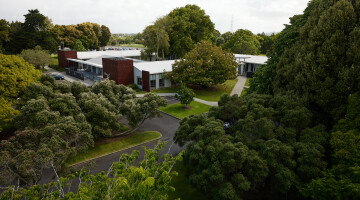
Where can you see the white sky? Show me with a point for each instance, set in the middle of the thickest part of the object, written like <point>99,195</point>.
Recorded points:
<point>132,16</point>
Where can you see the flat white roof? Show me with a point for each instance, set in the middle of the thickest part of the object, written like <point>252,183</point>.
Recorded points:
<point>94,54</point>
<point>155,67</point>
<point>86,62</point>
<point>252,59</point>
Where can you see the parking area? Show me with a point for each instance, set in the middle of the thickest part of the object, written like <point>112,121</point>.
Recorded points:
<point>69,78</point>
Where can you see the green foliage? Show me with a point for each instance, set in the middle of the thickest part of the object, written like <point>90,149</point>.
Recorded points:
<point>216,162</point>
<point>7,113</point>
<point>78,46</point>
<point>156,38</point>
<point>266,42</point>
<point>179,31</point>
<point>206,65</point>
<point>185,94</point>
<point>243,42</point>
<point>37,57</point>
<point>15,76</point>
<point>150,179</point>
<point>100,113</point>
<point>138,110</point>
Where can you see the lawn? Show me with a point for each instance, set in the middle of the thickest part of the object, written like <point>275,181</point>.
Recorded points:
<point>207,94</point>
<point>178,111</point>
<point>55,64</point>
<point>107,147</point>
<point>132,45</point>
<point>183,189</point>
<point>247,82</point>
<point>243,92</point>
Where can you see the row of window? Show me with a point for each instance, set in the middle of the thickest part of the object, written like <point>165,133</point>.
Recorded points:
<point>153,81</point>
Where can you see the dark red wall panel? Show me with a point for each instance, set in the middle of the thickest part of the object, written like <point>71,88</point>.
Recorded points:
<point>146,81</point>
<point>63,55</point>
<point>120,70</point>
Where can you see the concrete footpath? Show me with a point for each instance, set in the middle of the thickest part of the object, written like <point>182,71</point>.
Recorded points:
<point>210,103</point>
<point>239,85</point>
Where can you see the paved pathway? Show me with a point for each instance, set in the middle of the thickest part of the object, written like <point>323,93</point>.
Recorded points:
<point>210,103</point>
<point>239,86</point>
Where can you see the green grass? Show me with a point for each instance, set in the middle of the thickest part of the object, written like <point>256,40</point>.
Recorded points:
<point>247,82</point>
<point>178,111</point>
<point>214,94</point>
<point>55,64</point>
<point>183,189</point>
<point>55,59</point>
<point>207,94</point>
<point>243,92</point>
<point>113,146</point>
<point>132,45</point>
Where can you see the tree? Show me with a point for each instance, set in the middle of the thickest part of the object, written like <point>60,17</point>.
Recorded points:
<point>37,57</point>
<point>7,113</point>
<point>266,42</point>
<point>156,38</point>
<point>4,34</point>
<point>78,46</point>
<point>243,42</point>
<point>218,163</point>
<point>15,76</point>
<point>150,179</point>
<point>185,95</point>
<point>105,35</point>
<point>140,109</point>
<point>206,65</point>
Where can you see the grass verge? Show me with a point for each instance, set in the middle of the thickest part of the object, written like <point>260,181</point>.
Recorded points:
<point>243,92</point>
<point>183,189</point>
<point>247,82</point>
<point>106,147</point>
<point>178,111</point>
<point>207,94</point>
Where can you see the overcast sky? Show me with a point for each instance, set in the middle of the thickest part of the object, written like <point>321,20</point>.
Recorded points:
<point>132,16</point>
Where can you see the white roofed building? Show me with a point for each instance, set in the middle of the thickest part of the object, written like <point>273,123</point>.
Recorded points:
<point>124,68</point>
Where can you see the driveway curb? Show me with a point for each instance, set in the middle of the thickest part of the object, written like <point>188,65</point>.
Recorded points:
<point>85,161</point>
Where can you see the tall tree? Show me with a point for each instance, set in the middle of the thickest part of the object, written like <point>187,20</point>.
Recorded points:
<point>243,42</point>
<point>205,65</point>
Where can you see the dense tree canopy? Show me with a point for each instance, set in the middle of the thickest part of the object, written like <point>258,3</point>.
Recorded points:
<point>38,29</point>
<point>150,179</point>
<point>205,65</point>
<point>184,27</point>
<point>243,42</point>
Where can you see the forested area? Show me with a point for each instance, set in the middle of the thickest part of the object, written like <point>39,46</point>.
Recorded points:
<point>55,121</point>
<point>294,135</point>
<point>38,29</point>
<point>296,132</point>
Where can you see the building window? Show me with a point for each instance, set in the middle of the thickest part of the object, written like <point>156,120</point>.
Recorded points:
<point>153,80</point>
<point>139,80</point>
<point>161,81</point>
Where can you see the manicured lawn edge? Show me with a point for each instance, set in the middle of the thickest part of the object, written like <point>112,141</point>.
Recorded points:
<point>175,110</point>
<point>159,135</point>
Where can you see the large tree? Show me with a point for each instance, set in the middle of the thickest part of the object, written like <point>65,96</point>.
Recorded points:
<point>205,65</point>
<point>37,56</point>
<point>243,42</point>
<point>185,26</point>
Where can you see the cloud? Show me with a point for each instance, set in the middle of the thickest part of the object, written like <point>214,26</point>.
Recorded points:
<point>131,16</point>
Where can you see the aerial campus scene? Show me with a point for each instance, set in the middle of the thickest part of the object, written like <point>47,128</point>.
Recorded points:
<point>186,99</point>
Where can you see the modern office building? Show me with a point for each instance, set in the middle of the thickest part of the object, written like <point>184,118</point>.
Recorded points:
<point>124,67</point>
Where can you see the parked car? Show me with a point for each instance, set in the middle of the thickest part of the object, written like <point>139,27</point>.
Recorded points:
<point>57,76</point>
